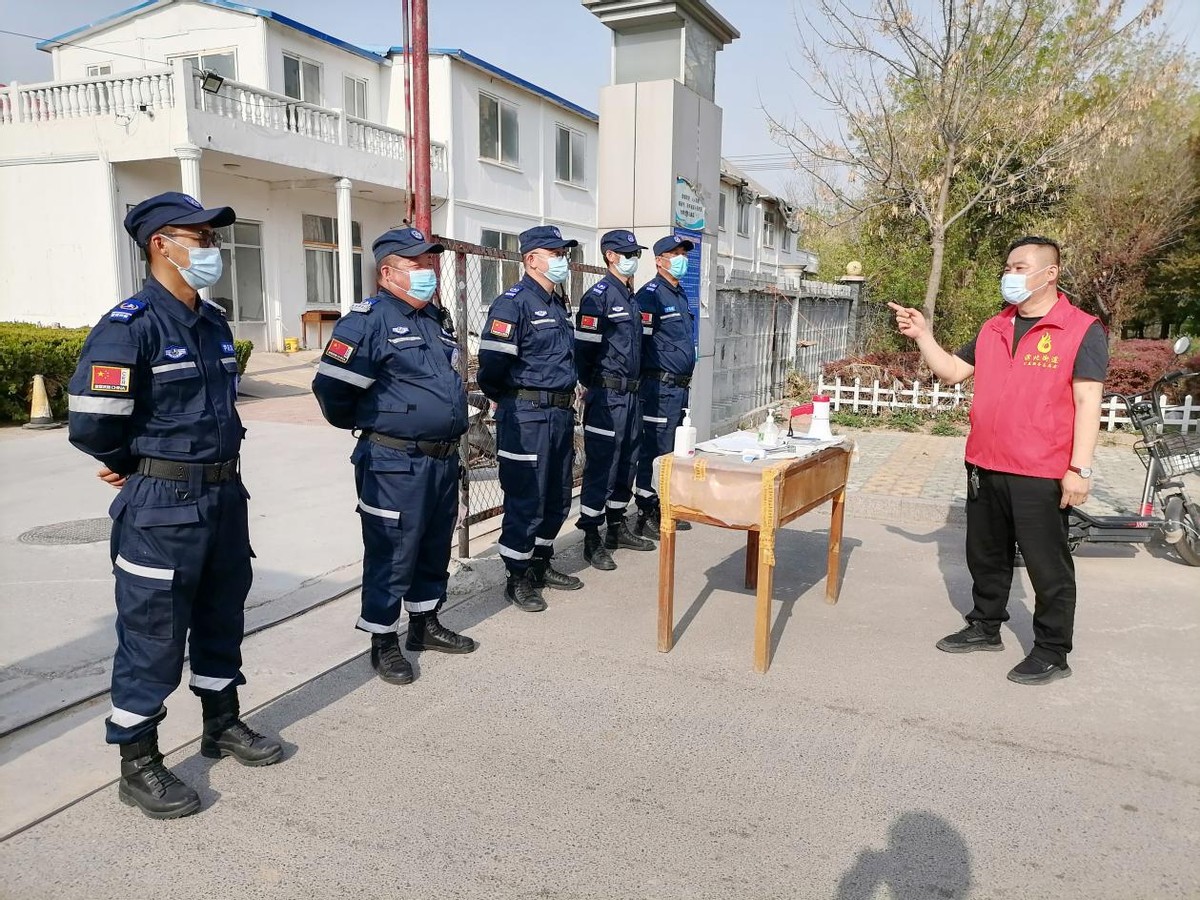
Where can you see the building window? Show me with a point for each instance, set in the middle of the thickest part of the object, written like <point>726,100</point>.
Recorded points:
<point>743,216</point>
<point>499,137</point>
<point>301,79</point>
<point>721,212</point>
<point>355,90</point>
<point>240,290</point>
<point>768,237</point>
<point>496,275</point>
<point>224,64</point>
<point>321,260</point>
<point>569,155</point>
<point>98,70</point>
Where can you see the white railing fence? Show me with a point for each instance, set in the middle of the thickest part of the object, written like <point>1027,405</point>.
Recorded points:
<point>88,97</point>
<point>875,398</point>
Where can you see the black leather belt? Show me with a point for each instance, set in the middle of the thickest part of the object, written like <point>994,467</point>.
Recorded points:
<point>436,449</point>
<point>613,383</point>
<point>213,473</point>
<point>667,378</point>
<point>560,399</point>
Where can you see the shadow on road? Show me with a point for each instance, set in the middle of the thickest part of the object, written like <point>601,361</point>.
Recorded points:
<point>925,857</point>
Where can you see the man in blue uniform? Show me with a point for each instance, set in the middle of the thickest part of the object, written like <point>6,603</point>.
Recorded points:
<point>527,366</point>
<point>389,371</point>
<point>608,350</point>
<point>153,400</point>
<point>668,359</point>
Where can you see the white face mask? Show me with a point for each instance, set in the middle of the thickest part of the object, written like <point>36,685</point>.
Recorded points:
<point>1013,286</point>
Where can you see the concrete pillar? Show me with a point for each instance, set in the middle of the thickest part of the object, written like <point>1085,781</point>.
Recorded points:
<point>345,236</point>
<point>660,147</point>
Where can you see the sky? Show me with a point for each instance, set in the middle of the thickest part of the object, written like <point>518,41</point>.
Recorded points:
<point>556,44</point>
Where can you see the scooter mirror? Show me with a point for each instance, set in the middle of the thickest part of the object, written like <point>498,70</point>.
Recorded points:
<point>1181,345</point>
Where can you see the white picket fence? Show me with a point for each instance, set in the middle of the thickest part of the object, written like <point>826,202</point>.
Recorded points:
<point>874,398</point>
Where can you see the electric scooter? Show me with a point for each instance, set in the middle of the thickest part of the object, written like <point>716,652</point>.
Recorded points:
<point>1166,510</point>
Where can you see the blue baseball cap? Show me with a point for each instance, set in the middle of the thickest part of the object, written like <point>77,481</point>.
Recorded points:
<point>403,242</point>
<point>620,241</point>
<point>173,208</point>
<point>670,242</point>
<point>544,237</point>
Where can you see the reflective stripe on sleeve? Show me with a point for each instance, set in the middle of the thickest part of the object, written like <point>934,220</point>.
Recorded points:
<point>499,347</point>
<point>103,406</point>
<point>332,371</point>
<point>590,338</point>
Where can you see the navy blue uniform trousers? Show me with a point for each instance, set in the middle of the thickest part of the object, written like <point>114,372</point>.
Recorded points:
<point>612,433</point>
<point>181,556</point>
<point>662,413</point>
<point>408,503</point>
<point>536,453</point>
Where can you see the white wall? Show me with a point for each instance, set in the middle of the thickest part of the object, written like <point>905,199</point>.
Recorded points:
<point>60,268</point>
<point>172,30</point>
<point>334,63</point>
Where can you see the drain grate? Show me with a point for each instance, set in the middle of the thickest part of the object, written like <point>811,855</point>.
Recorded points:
<point>81,531</point>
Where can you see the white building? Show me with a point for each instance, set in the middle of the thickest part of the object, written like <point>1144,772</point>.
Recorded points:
<point>758,233</point>
<point>302,121</point>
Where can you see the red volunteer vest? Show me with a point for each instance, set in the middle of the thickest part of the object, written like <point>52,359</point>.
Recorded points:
<point>1023,409</point>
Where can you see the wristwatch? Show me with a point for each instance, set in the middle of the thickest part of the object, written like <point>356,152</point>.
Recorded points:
<point>1084,472</point>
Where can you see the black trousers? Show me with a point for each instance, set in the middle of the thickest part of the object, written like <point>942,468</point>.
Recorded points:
<point>1019,510</point>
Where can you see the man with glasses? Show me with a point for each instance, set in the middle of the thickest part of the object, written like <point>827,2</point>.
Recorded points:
<point>388,371</point>
<point>608,342</point>
<point>527,366</point>
<point>153,400</point>
<point>668,359</point>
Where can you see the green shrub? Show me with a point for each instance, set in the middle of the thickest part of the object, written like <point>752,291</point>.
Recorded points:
<point>28,350</point>
<point>904,419</point>
<point>945,429</point>
<point>242,349</point>
<point>847,419</point>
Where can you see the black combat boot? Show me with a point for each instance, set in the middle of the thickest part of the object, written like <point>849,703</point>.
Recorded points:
<point>595,552</point>
<point>388,661</point>
<point>521,592</point>
<point>227,735</point>
<point>647,523</point>
<point>149,785</point>
<point>425,632</point>
<point>543,575</point>
<point>619,536</point>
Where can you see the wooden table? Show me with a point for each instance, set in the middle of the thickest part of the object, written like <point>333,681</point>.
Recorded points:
<point>758,498</point>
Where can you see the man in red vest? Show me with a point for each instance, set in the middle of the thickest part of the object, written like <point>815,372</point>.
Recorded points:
<point>1039,369</point>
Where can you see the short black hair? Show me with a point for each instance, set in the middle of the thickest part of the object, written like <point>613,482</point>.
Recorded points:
<point>1036,241</point>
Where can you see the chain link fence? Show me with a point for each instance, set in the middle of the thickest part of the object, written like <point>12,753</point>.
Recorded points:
<point>763,333</point>
<point>472,277</point>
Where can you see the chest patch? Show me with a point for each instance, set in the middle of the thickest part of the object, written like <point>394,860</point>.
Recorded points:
<point>175,352</point>
<point>501,329</point>
<point>399,329</point>
<point>539,312</point>
<point>110,379</point>
<point>340,350</point>
<point>1045,345</point>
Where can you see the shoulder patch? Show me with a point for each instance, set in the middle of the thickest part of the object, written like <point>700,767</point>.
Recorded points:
<point>652,286</point>
<point>647,318</point>
<point>513,291</point>
<point>501,329</point>
<point>589,323</point>
<point>340,350</point>
<point>365,305</point>
<point>126,310</point>
<point>599,288</point>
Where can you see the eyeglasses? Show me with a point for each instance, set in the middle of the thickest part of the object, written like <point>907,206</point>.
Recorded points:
<point>202,238</point>
<point>633,254</point>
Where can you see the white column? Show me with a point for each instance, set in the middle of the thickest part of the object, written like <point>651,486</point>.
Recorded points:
<point>189,169</point>
<point>345,246</point>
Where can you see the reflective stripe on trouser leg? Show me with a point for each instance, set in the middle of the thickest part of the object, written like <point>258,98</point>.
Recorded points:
<point>402,504</point>
<point>559,481</point>
<point>162,550</point>
<point>659,401</point>
<point>523,451</point>
<point>608,454</point>
<point>219,610</point>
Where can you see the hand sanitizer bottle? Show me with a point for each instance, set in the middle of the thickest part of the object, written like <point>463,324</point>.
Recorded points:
<point>768,434</point>
<point>685,437</point>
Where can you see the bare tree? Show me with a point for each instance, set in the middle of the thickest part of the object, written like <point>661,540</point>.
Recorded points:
<point>997,105</point>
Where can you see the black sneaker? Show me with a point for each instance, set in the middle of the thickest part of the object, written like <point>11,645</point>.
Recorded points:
<point>1032,670</point>
<point>973,637</point>
<point>387,660</point>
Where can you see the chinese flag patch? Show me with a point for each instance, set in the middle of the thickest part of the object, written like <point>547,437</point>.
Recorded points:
<point>502,329</point>
<point>110,379</point>
<point>647,318</point>
<point>589,322</point>
<point>339,350</point>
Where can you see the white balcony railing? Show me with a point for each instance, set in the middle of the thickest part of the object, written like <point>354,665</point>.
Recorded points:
<point>126,95</point>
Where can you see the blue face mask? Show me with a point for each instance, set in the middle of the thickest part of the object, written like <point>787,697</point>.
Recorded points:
<point>204,265</point>
<point>558,269</point>
<point>679,266</point>
<point>422,283</point>
<point>626,266</point>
